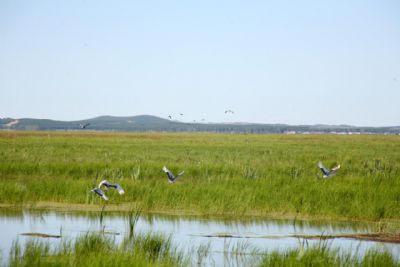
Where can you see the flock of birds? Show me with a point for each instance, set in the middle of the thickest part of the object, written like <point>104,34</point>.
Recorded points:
<point>228,111</point>
<point>172,179</point>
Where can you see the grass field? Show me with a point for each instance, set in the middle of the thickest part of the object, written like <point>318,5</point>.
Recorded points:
<point>228,175</point>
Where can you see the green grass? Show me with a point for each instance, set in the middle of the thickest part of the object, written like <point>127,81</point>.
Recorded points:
<point>322,255</point>
<point>231,175</point>
<point>97,250</point>
<point>154,250</point>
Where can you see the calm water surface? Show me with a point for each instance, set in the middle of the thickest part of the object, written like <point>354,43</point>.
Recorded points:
<point>188,233</point>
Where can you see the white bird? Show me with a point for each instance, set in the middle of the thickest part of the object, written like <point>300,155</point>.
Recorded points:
<point>99,192</point>
<point>328,173</point>
<point>108,185</point>
<point>172,178</point>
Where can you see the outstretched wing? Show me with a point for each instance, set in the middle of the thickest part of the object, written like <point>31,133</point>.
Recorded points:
<point>334,170</point>
<point>180,174</point>
<point>323,169</point>
<point>104,183</point>
<point>118,188</point>
<point>100,192</point>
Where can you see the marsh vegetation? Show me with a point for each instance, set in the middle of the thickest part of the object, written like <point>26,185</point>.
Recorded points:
<point>228,175</point>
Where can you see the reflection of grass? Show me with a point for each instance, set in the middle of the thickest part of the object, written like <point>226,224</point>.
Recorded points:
<point>323,255</point>
<point>224,174</point>
<point>98,250</point>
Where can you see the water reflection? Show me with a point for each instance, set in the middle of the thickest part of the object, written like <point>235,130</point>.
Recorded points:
<point>189,233</point>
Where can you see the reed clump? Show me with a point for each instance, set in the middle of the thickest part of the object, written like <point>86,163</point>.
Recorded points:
<point>93,249</point>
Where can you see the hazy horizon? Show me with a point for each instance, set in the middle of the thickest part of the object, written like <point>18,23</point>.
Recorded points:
<point>305,62</point>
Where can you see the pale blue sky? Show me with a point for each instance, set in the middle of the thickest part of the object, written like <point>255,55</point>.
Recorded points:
<point>295,62</point>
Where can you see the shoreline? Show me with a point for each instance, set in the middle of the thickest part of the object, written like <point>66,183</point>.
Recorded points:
<point>125,207</point>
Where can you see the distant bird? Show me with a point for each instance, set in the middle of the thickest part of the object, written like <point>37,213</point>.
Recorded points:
<point>170,117</point>
<point>172,178</point>
<point>181,114</point>
<point>83,126</point>
<point>229,111</point>
<point>106,184</point>
<point>99,192</point>
<point>326,172</point>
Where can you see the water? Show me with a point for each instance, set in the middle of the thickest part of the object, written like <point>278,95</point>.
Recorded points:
<point>189,233</point>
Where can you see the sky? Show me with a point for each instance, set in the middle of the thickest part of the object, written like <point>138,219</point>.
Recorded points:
<point>292,62</point>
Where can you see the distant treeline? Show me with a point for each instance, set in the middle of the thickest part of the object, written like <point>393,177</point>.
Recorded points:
<point>146,123</point>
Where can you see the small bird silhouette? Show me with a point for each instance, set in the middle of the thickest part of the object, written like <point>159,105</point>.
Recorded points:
<point>326,172</point>
<point>172,178</point>
<point>83,126</point>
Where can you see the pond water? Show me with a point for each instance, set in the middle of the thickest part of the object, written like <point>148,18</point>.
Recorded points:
<point>189,233</point>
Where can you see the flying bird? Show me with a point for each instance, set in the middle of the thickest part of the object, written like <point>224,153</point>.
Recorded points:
<point>99,192</point>
<point>229,111</point>
<point>181,114</point>
<point>326,172</point>
<point>172,178</point>
<point>170,117</point>
<point>83,126</point>
<point>107,185</point>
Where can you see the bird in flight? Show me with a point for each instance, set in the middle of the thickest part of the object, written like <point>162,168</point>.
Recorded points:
<point>170,117</point>
<point>229,111</point>
<point>328,173</point>
<point>99,192</point>
<point>181,114</point>
<point>172,178</point>
<point>107,185</point>
<point>83,126</point>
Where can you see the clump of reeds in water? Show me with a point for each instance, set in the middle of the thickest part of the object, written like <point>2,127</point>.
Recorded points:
<point>94,249</point>
<point>133,217</point>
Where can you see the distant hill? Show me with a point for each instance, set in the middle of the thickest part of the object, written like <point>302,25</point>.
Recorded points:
<point>144,123</point>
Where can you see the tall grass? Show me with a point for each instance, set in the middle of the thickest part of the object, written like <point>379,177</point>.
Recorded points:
<point>224,174</point>
<point>98,250</point>
<point>155,250</point>
<point>322,255</point>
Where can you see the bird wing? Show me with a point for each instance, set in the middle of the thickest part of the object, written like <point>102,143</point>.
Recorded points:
<point>334,170</point>
<point>100,192</point>
<point>180,174</point>
<point>323,169</point>
<point>104,183</point>
<point>119,189</point>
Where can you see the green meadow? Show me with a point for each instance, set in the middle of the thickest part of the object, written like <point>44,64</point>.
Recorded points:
<point>225,174</point>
